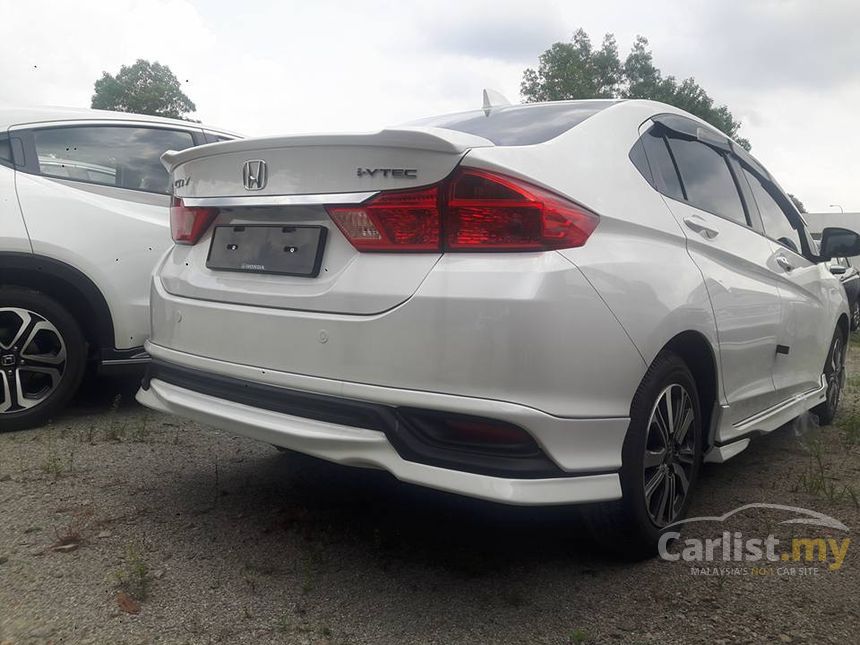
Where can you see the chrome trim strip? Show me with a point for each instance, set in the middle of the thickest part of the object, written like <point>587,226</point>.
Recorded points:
<point>278,200</point>
<point>126,361</point>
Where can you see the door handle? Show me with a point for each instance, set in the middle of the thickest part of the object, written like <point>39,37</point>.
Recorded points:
<point>782,261</point>
<point>701,228</point>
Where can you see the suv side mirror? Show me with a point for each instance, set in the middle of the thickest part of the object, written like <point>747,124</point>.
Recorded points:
<point>836,242</point>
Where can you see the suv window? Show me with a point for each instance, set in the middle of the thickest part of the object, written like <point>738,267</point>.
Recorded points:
<point>775,221</point>
<point>121,156</point>
<point>519,125</point>
<point>707,180</point>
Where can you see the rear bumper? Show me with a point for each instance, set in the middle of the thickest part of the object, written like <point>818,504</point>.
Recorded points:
<point>585,453</point>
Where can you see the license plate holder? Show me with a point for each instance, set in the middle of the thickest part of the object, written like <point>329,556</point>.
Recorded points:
<point>294,250</point>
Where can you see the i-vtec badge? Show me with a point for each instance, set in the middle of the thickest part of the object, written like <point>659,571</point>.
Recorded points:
<point>404,173</point>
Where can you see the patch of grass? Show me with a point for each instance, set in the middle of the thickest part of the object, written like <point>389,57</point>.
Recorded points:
<point>579,636</point>
<point>54,464</point>
<point>283,625</point>
<point>850,427</point>
<point>133,577</point>
<point>116,427</point>
<point>817,480</point>
<point>140,431</point>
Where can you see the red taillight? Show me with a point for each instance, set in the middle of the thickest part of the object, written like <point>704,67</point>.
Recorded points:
<point>474,210</point>
<point>392,221</point>
<point>188,223</point>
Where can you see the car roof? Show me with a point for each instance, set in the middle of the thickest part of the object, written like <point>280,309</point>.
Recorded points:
<point>16,116</point>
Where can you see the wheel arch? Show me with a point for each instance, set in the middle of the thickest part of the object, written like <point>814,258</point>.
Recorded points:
<point>844,324</point>
<point>66,284</point>
<point>696,351</point>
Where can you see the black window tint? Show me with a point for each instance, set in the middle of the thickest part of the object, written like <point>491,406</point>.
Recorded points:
<point>519,125</point>
<point>126,157</point>
<point>707,179</point>
<point>5,149</point>
<point>776,224</point>
<point>662,166</point>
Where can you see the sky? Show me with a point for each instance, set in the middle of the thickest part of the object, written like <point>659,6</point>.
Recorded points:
<point>789,70</point>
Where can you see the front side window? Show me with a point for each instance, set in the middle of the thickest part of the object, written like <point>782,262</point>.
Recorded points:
<point>776,224</point>
<point>121,156</point>
<point>707,180</point>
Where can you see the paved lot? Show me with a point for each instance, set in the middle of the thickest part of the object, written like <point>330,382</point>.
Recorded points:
<point>118,525</point>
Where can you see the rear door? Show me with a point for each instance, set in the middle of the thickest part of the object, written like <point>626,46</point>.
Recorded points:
<point>735,260</point>
<point>804,286</point>
<point>95,195</point>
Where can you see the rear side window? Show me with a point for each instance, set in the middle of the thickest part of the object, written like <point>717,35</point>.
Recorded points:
<point>776,224</point>
<point>121,156</point>
<point>707,180</point>
<point>5,150</point>
<point>661,164</point>
<point>519,125</point>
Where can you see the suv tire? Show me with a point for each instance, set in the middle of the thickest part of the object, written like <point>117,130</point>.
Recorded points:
<point>43,347</point>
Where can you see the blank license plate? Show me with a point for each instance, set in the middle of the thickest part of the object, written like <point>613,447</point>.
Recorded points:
<point>284,250</point>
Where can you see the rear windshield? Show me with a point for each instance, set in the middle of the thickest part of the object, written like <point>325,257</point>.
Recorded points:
<point>519,125</point>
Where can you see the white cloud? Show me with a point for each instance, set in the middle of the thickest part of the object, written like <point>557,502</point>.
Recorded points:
<point>787,69</point>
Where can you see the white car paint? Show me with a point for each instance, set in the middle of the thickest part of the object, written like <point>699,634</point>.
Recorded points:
<point>113,236</point>
<point>554,341</point>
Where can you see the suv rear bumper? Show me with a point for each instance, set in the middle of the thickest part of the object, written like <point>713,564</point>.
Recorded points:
<point>583,454</point>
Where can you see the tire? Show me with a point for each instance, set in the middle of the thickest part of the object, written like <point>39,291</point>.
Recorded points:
<point>834,374</point>
<point>631,527</point>
<point>855,315</point>
<point>42,348</point>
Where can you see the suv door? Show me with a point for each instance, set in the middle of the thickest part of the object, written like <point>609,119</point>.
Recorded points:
<point>95,195</point>
<point>702,193</point>
<point>806,289</point>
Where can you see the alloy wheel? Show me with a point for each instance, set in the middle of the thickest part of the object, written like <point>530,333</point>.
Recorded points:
<point>855,316</point>
<point>670,453</point>
<point>836,373</point>
<point>32,359</point>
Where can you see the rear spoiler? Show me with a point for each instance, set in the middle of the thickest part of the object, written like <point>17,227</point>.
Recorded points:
<point>416,138</point>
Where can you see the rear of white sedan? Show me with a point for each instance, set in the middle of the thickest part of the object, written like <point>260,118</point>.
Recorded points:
<point>417,300</point>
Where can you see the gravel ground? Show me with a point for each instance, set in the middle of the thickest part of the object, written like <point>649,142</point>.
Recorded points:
<point>120,525</point>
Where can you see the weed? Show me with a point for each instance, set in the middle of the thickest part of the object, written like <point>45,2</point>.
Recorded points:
<point>579,636</point>
<point>817,480</point>
<point>283,624</point>
<point>850,426</point>
<point>55,465</point>
<point>140,432</point>
<point>134,577</point>
<point>117,427</point>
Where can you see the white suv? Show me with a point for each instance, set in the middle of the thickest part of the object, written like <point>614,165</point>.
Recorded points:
<point>83,220</point>
<point>542,304</point>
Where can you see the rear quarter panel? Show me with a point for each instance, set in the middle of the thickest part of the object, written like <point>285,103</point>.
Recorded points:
<point>637,258</point>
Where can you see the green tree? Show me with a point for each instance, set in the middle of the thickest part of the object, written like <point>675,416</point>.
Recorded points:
<point>797,203</point>
<point>143,88</point>
<point>575,70</point>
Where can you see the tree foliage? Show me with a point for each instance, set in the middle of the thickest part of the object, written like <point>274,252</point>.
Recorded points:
<point>576,70</point>
<point>143,88</point>
<point>797,203</point>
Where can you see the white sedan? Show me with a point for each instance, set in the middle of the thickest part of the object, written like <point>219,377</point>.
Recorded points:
<point>558,303</point>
